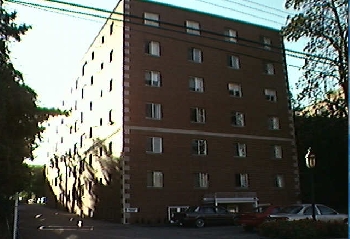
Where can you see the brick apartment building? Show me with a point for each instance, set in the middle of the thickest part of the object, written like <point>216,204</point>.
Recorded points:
<point>174,107</point>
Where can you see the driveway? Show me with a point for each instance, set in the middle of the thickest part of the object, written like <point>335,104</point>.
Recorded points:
<point>40,222</point>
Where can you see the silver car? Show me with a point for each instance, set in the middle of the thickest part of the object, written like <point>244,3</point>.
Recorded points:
<point>304,211</point>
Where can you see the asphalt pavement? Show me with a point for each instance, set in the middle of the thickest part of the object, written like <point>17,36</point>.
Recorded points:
<point>40,222</point>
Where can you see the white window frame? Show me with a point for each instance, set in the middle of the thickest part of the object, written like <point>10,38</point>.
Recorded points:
<point>238,119</point>
<point>277,152</point>
<point>151,19</point>
<point>274,123</point>
<point>235,90</point>
<point>154,145</point>
<point>156,111</point>
<point>196,84</point>
<point>201,146</point>
<point>243,180</point>
<point>155,179</point>
<point>269,68</point>
<point>270,95</point>
<point>234,62</point>
<point>241,150</point>
<point>153,48</point>
<point>199,115</point>
<point>267,43</point>
<point>279,181</point>
<point>153,78</point>
<point>193,27</point>
<point>231,35</point>
<point>196,55</point>
<point>201,180</point>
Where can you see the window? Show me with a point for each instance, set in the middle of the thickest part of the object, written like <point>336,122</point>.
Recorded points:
<point>277,152</point>
<point>110,147</point>
<point>274,123</point>
<point>81,140</point>
<point>201,180</point>
<point>90,132</point>
<point>197,115</point>
<point>240,150</point>
<point>192,27</point>
<point>195,55</point>
<point>196,84</point>
<point>154,145</point>
<point>110,120</point>
<point>153,48</point>
<point>110,84</point>
<point>242,180</point>
<point>267,43</point>
<point>111,28</point>
<point>90,159</point>
<point>237,119</point>
<point>155,179</point>
<point>102,39</point>
<point>82,93</point>
<point>102,66</point>
<point>235,90</point>
<point>90,105</point>
<point>101,121</point>
<point>230,35</point>
<point>326,210</point>
<point>92,80</point>
<point>92,55</point>
<point>269,69</point>
<point>233,62</point>
<point>81,117</point>
<point>82,73</point>
<point>279,181</point>
<point>153,111</point>
<point>199,147</point>
<point>270,95</point>
<point>152,78</point>
<point>151,19</point>
<point>111,56</point>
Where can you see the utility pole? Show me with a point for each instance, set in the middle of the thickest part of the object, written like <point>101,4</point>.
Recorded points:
<point>15,217</point>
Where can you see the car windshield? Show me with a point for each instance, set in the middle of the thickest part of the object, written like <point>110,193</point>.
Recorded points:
<point>192,209</point>
<point>291,209</point>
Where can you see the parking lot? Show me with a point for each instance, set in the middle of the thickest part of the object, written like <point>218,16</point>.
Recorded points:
<point>40,222</point>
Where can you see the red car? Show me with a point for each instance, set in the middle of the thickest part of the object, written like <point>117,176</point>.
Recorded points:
<point>252,220</point>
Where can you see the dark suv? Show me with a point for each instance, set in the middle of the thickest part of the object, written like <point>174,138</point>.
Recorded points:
<point>203,215</point>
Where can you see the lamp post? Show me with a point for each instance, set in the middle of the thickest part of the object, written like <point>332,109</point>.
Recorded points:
<point>310,159</point>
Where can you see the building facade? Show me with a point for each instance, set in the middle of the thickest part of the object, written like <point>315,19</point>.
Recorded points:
<point>171,108</point>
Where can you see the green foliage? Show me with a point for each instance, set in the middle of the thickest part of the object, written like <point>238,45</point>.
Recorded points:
<point>20,116</point>
<point>328,137</point>
<point>324,24</point>
<point>303,229</point>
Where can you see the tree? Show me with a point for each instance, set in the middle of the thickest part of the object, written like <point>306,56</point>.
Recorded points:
<point>324,23</point>
<point>20,117</point>
<point>328,138</point>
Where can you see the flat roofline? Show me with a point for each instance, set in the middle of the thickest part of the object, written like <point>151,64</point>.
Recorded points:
<point>209,14</point>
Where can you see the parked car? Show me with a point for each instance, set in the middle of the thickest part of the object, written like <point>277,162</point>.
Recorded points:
<point>204,215</point>
<point>251,220</point>
<point>304,211</point>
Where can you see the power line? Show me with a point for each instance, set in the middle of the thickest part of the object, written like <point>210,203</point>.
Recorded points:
<point>261,5</point>
<point>235,10</point>
<point>165,23</point>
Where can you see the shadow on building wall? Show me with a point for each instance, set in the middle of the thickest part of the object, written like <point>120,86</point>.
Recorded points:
<point>88,184</point>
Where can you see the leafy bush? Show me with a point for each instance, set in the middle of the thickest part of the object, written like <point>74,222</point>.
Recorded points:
<point>303,229</point>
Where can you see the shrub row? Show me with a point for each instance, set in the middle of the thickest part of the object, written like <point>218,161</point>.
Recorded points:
<point>303,229</point>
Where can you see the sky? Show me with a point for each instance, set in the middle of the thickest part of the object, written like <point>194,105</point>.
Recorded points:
<point>49,54</point>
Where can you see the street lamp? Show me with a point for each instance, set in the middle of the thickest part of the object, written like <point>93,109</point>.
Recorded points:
<point>310,159</point>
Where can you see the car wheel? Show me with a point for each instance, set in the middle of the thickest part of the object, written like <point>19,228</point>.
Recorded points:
<point>200,223</point>
<point>346,221</point>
